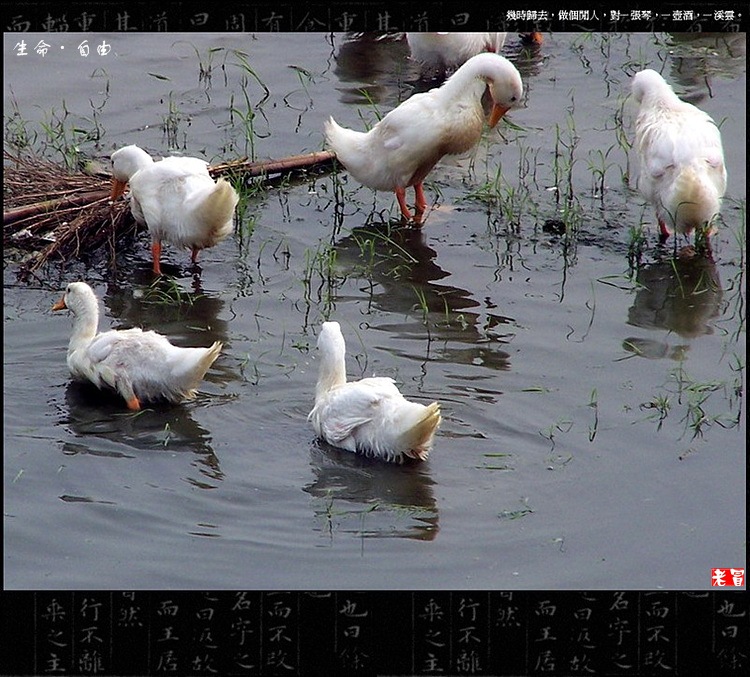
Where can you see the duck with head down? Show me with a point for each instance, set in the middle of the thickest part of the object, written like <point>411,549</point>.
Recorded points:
<point>682,170</point>
<point>369,416</point>
<point>401,149</point>
<point>176,198</point>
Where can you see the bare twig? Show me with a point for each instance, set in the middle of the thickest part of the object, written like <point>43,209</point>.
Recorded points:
<point>80,199</point>
<point>270,167</point>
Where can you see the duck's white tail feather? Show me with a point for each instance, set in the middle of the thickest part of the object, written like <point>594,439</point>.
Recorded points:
<point>217,212</point>
<point>418,436</point>
<point>193,371</point>
<point>695,200</point>
<point>337,136</point>
<point>350,148</point>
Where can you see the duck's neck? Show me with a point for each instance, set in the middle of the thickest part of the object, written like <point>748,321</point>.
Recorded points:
<point>332,371</point>
<point>85,323</point>
<point>464,84</point>
<point>131,162</point>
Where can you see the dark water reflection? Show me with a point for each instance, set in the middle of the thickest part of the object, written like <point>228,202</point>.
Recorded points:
<point>102,427</point>
<point>359,495</point>
<point>184,315</point>
<point>402,272</point>
<point>697,58</point>
<point>680,295</point>
<point>365,66</point>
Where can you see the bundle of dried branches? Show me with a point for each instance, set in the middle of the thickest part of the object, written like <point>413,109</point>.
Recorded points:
<point>56,214</point>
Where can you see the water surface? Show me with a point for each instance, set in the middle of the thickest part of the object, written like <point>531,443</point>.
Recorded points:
<point>593,428</point>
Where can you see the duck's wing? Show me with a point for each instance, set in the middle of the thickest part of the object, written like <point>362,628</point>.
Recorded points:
<point>659,155</point>
<point>413,138</point>
<point>167,192</point>
<point>415,123</point>
<point>353,405</point>
<point>678,137</point>
<point>103,346</point>
<point>105,359</point>
<point>702,140</point>
<point>141,354</point>
<point>170,175</point>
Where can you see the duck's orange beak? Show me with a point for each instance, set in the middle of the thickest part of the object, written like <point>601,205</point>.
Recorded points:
<point>60,305</point>
<point>118,188</point>
<point>496,113</point>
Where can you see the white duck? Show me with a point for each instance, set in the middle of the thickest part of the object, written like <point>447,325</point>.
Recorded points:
<point>682,172</point>
<point>371,415</point>
<point>176,198</point>
<point>139,365</point>
<point>401,149</point>
<point>447,51</point>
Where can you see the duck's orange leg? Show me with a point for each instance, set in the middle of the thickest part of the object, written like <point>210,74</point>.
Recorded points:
<point>194,256</point>
<point>134,404</point>
<point>421,201</point>
<point>401,197</point>
<point>156,256</point>
<point>664,231</point>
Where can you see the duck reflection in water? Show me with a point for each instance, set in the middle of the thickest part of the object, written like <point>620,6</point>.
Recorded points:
<point>402,271</point>
<point>101,428</point>
<point>698,58</point>
<point>363,497</point>
<point>681,295</point>
<point>373,68</point>
<point>437,55</point>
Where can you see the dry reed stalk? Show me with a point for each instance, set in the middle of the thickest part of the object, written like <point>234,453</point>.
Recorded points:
<point>269,168</point>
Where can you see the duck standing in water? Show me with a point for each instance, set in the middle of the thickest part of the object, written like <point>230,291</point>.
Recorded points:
<point>369,416</point>
<point>401,149</point>
<point>176,198</point>
<point>682,171</point>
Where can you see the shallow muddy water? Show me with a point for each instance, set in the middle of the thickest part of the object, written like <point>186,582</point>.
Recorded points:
<point>593,429</point>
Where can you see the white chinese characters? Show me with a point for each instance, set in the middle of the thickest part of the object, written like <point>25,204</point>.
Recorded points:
<point>42,48</point>
<point>102,50</point>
